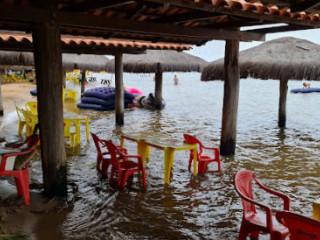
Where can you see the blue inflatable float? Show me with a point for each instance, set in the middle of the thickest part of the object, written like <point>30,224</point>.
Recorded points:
<point>305,90</point>
<point>103,99</point>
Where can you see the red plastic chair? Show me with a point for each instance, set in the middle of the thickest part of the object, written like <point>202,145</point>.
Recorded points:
<point>21,176</point>
<point>203,158</point>
<point>252,221</point>
<point>103,157</point>
<point>300,227</point>
<point>126,167</point>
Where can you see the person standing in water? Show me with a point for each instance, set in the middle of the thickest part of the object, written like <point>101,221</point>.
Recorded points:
<point>175,79</point>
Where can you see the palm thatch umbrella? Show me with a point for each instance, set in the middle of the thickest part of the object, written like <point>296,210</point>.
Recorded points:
<point>284,58</point>
<point>84,62</point>
<point>170,61</point>
<point>159,61</point>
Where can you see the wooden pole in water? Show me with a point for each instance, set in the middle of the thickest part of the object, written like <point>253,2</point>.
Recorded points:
<point>83,82</point>
<point>1,104</point>
<point>119,89</point>
<point>283,103</point>
<point>231,97</point>
<point>48,63</point>
<point>158,87</point>
<point>64,78</point>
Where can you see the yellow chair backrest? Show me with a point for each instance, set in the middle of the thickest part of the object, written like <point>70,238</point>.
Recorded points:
<point>32,107</point>
<point>20,114</point>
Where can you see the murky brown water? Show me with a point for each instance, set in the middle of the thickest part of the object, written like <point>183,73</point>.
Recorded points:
<point>205,207</point>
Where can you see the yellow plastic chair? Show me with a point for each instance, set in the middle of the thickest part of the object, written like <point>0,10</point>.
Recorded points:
<point>32,107</point>
<point>31,121</point>
<point>67,132</point>
<point>71,94</point>
<point>22,121</point>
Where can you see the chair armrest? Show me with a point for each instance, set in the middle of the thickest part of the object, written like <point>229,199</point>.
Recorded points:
<point>126,157</point>
<point>216,150</point>
<point>122,149</point>
<point>267,210</point>
<point>285,198</point>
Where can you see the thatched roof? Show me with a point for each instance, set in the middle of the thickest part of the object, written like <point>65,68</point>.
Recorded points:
<point>283,58</point>
<point>24,60</point>
<point>84,62</point>
<point>16,60</point>
<point>171,61</point>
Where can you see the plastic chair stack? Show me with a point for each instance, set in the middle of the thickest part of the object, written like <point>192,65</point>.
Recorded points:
<point>253,222</point>
<point>125,167</point>
<point>20,174</point>
<point>32,107</point>
<point>203,158</point>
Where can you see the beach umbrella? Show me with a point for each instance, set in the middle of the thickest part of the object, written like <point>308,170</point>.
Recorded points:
<point>159,61</point>
<point>169,61</point>
<point>284,58</point>
<point>84,62</point>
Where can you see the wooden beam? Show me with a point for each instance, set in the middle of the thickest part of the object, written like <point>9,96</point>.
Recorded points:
<point>48,62</point>
<point>119,107</point>
<point>76,20</point>
<point>231,98</point>
<point>279,29</point>
<point>136,12</point>
<point>90,5</point>
<point>304,6</point>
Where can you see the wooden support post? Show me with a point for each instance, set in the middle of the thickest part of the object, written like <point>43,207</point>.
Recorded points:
<point>119,89</point>
<point>1,104</point>
<point>283,90</point>
<point>83,82</point>
<point>48,63</point>
<point>158,88</point>
<point>231,97</point>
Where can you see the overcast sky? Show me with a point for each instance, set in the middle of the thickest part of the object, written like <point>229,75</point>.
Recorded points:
<point>215,49</point>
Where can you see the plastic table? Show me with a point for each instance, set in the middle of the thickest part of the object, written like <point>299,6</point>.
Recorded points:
<point>145,140</point>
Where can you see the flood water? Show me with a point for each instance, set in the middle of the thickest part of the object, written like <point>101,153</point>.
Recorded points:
<point>205,207</point>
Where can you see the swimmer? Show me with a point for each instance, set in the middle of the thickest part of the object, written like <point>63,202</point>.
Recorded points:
<point>175,79</point>
<point>306,85</point>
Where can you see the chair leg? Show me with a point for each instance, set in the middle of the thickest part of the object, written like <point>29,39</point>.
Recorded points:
<point>113,171</point>
<point>22,181</point>
<point>243,230</point>
<point>144,177</point>
<point>190,162</point>
<point>254,236</point>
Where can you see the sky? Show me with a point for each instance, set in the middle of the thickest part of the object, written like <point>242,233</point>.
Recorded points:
<point>215,49</point>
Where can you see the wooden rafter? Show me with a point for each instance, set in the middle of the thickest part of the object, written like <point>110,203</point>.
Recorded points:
<point>90,5</point>
<point>205,7</point>
<point>304,6</point>
<point>186,17</point>
<point>75,20</point>
<point>279,29</point>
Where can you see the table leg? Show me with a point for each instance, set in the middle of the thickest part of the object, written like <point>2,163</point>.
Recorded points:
<point>142,150</point>
<point>77,123</point>
<point>195,162</point>
<point>168,162</point>
<point>87,129</point>
<point>122,141</point>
